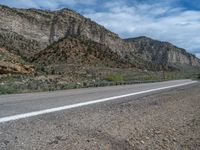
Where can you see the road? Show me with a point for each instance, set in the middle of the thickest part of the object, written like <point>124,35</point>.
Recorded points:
<point>155,116</point>
<point>13,107</point>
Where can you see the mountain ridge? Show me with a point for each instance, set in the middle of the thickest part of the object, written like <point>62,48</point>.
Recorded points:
<point>150,48</point>
<point>55,25</point>
<point>27,32</point>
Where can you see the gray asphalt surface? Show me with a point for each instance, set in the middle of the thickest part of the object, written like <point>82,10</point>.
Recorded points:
<point>23,103</point>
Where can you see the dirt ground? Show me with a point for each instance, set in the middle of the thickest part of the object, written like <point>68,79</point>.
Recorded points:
<point>166,120</point>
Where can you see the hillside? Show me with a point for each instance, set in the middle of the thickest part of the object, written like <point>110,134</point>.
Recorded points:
<point>163,52</point>
<point>13,64</point>
<point>76,50</point>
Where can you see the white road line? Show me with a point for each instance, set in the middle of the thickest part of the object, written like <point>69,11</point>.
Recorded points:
<point>46,111</point>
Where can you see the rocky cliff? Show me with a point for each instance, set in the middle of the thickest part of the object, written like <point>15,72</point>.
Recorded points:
<point>41,28</point>
<point>162,52</point>
<point>24,31</point>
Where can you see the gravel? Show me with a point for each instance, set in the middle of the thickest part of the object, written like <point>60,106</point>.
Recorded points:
<point>166,120</point>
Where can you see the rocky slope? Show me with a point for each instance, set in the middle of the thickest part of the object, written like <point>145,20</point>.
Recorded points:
<point>162,52</point>
<point>77,50</point>
<point>13,64</point>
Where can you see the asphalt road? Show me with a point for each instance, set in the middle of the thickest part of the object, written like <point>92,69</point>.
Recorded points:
<point>146,116</point>
<point>17,106</point>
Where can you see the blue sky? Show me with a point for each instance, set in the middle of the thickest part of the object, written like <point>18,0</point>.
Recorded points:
<point>175,21</point>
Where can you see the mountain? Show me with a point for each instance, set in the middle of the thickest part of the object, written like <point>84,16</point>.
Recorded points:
<point>162,52</point>
<point>31,30</point>
<point>43,36</point>
<point>28,31</point>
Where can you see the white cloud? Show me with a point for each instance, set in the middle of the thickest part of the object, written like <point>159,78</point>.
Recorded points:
<point>176,25</point>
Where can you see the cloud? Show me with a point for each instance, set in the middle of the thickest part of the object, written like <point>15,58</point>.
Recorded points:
<point>159,21</point>
<point>197,55</point>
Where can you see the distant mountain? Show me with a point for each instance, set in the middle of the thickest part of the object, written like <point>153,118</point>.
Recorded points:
<point>162,52</point>
<point>50,37</point>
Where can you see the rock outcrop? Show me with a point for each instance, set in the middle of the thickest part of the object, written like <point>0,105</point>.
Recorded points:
<point>13,64</point>
<point>26,32</point>
<point>10,68</point>
<point>162,52</point>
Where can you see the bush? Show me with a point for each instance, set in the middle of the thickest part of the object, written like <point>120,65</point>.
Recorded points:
<point>7,90</point>
<point>114,78</point>
<point>198,77</point>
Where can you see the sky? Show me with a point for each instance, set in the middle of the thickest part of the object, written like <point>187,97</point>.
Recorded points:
<point>175,21</point>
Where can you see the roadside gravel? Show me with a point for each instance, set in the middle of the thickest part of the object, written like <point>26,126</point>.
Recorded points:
<point>165,120</point>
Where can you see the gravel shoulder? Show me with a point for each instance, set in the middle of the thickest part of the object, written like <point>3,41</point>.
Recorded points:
<point>165,120</point>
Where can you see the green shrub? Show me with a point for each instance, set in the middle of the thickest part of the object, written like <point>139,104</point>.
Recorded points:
<point>198,77</point>
<point>114,78</point>
<point>8,90</point>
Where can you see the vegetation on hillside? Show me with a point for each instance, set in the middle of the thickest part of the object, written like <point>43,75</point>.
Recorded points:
<point>198,76</point>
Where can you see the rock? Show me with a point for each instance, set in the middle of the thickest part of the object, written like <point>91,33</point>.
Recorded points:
<point>174,139</point>
<point>11,63</point>
<point>165,140</point>
<point>7,67</point>
<point>157,132</point>
<point>142,142</point>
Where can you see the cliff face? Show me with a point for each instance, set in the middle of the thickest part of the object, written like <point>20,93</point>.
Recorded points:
<point>24,31</point>
<point>162,52</point>
<point>67,22</point>
<point>43,28</point>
